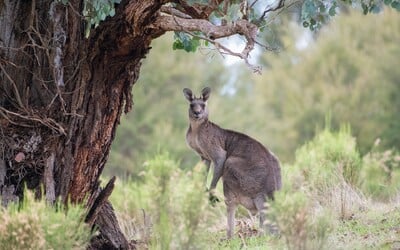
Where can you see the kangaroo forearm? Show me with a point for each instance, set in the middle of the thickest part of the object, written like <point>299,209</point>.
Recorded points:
<point>214,182</point>
<point>207,163</point>
<point>217,175</point>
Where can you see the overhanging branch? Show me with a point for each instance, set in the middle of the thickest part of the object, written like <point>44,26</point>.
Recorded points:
<point>174,23</point>
<point>212,32</point>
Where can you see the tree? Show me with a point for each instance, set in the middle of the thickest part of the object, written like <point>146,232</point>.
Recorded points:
<point>65,84</point>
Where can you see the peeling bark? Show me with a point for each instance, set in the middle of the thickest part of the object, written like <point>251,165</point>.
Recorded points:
<point>49,179</point>
<point>70,91</point>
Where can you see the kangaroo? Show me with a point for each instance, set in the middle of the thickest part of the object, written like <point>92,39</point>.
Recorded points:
<point>250,172</point>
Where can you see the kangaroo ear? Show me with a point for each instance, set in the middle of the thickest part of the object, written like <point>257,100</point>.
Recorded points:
<point>205,93</point>
<point>188,94</point>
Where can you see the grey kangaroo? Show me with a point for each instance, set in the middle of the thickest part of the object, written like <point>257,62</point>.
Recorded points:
<point>250,172</point>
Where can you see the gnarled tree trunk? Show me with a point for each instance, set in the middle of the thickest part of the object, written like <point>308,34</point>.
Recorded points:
<point>62,96</point>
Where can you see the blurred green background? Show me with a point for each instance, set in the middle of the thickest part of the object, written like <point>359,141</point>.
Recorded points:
<point>349,72</point>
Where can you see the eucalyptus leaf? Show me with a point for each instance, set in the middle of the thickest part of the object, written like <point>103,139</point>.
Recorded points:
<point>309,8</point>
<point>396,5</point>
<point>332,10</point>
<point>112,12</point>
<point>185,42</point>
<point>233,12</point>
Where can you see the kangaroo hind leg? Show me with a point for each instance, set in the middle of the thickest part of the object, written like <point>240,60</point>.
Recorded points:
<point>259,203</point>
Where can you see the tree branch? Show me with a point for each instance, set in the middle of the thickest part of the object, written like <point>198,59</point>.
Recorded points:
<point>174,12</point>
<point>212,32</point>
<point>269,8</point>
<point>200,11</point>
<point>174,23</point>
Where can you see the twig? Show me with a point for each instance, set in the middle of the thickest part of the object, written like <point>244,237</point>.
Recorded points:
<point>47,122</point>
<point>280,5</point>
<point>16,92</point>
<point>243,27</point>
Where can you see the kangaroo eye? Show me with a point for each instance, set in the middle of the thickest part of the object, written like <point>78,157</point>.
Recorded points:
<point>202,106</point>
<point>191,106</point>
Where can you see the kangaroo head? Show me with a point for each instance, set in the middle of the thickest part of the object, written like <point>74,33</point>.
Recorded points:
<point>198,106</point>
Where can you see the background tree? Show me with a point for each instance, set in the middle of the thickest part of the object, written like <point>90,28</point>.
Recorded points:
<point>67,71</point>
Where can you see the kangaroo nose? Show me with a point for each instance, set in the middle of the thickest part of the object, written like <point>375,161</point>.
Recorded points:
<point>196,112</point>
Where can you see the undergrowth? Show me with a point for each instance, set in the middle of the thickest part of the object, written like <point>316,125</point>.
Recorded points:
<point>33,224</point>
<point>328,194</point>
<point>168,207</point>
<point>332,198</point>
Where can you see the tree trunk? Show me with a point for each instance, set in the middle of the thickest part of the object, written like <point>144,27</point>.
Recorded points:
<point>62,96</point>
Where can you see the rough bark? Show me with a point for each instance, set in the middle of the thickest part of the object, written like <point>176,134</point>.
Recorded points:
<point>62,96</point>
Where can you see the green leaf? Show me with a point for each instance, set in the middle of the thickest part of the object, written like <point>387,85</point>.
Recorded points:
<point>332,9</point>
<point>233,12</point>
<point>309,9</point>
<point>112,12</point>
<point>103,16</point>
<point>375,9</point>
<point>322,8</point>
<point>185,42</point>
<point>387,2</point>
<point>396,5</point>
<point>365,8</point>
<point>177,45</point>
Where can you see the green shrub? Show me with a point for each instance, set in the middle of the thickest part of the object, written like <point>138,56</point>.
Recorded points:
<point>20,231</point>
<point>329,158</point>
<point>298,222</point>
<point>327,171</point>
<point>168,207</point>
<point>36,225</point>
<point>381,173</point>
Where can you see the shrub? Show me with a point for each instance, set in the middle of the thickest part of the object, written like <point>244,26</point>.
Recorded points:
<point>329,158</point>
<point>327,171</point>
<point>168,205</point>
<point>298,223</point>
<point>381,173</point>
<point>35,225</point>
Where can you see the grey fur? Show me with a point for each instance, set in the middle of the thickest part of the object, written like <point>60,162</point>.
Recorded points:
<point>250,172</point>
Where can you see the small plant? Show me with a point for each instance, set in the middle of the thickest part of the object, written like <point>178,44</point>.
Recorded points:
<point>329,157</point>
<point>169,206</point>
<point>381,173</point>
<point>36,225</point>
<point>328,168</point>
<point>20,231</point>
<point>298,222</point>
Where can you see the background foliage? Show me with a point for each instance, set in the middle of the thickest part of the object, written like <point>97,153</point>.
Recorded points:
<point>336,72</point>
<point>327,105</point>
<point>322,204</point>
<point>34,224</point>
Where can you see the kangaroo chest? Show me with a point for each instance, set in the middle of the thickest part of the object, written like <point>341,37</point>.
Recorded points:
<point>193,140</point>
